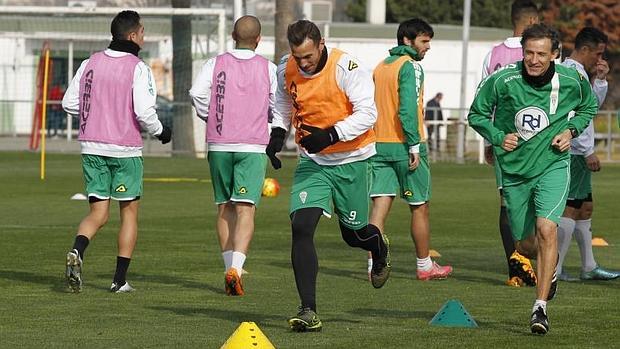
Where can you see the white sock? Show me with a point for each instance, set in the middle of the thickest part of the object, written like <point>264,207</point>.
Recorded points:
<point>238,259</point>
<point>425,264</point>
<point>227,257</point>
<point>583,235</point>
<point>369,264</point>
<point>540,303</point>
<point>565,235</point>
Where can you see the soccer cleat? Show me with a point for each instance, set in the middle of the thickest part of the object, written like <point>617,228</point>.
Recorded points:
<point>74,271</point>
<point>124,288</point>
<point>599,273</point>
<point>381,267</point>
<point>553,289</point>
<point>514,281</point>
<point>522,267</point>
<point>539,324</point>
<point>306,320</point>
<point>232,283</point>
<point>437,272</point>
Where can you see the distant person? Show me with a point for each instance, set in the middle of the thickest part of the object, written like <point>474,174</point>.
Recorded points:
<point>523,14</point>
<point>234,94</point>
<point>587,58</point>
<point>433,113</point>
<point>523,111</point>
<point>55,113</point>
<point>401,166</point>
<point>328,96</point>
<point>114,95</point>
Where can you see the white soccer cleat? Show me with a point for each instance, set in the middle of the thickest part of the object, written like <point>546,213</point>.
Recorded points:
<point>121,289</point>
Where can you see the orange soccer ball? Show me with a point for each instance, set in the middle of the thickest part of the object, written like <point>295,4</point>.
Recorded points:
<point>271,187</point>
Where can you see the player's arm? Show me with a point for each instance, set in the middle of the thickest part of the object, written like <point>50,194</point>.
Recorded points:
<point>273,88</point>
<point>200,93</point>
<point>356,82</point>
<point>410,80</point>
<point>281,113</point>
<point>481,111</point>
<point>144,98</point>
<point>71,99</point>
<point>283,102</point>
<point>585,110</point>
<point>599,85</point>
<point>485,65</point>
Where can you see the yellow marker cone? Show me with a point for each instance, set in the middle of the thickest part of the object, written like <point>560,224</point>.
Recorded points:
<point>248,335</point>
<point>599,242</point>
<point>434,254</point>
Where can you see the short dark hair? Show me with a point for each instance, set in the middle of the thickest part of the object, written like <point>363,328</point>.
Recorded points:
<point>521,9</point>
<point>590,37</point>
<point>301,30</point>
<point>541,31</point>
<point>124,23</point>
<point>411,28</point>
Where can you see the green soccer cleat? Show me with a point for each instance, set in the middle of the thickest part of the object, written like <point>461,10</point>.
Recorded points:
<point>381,267</point>
<point>305,321</point>
<point>599,273</point>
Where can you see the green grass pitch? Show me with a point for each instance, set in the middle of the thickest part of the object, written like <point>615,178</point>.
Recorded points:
<point>178,273</point>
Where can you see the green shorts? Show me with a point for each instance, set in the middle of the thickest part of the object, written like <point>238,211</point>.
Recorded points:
<point>542,196</point>
<point>391,177</point>
<point>236,176</point>
<point>347,185</point>
<point>113,178</point>
<point>580,178</point>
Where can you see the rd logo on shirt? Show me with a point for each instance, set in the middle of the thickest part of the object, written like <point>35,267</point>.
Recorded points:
<point>529,121</point>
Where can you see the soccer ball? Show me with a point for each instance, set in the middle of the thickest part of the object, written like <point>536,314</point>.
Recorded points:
<point>271,187</point>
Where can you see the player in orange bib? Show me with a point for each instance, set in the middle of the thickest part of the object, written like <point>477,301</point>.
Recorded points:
<point>401,165</point>
<point>328,96</point>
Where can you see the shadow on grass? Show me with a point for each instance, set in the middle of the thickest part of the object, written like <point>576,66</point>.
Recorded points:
<point>392,313</point>
<point>177,281</point>
<point>55,282</point>
<point>230,315</point>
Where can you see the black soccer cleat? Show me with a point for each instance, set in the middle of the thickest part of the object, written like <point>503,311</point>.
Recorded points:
<point>539,324</point>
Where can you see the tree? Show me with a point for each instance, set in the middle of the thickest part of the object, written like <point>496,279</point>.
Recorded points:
<point>182,123</point>
<point>284,16</point>
<point>570,16</point>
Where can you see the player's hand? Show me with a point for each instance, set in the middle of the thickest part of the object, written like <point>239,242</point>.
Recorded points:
<point>561,142</point>
<point>414,161</point>
<point>593,163</point>
<point>276,142</point>
<point>602,68</point>
<point>165,135</point>
<point>318,139</point>
<point>488,155</point>
<point>510,142</point>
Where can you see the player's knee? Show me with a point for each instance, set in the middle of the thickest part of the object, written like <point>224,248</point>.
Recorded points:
<point>301,229</point>
<point>349,236</point>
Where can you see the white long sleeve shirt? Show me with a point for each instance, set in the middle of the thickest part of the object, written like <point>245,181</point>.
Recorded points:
<point>358,86</point>
<point>144,97</point>
<point>200,94</point>
<point>584,143</point>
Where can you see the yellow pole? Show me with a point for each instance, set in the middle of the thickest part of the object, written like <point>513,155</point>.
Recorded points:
<point>44,112</point>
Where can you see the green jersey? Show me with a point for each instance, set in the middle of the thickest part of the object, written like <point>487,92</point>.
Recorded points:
<point>505,103</point>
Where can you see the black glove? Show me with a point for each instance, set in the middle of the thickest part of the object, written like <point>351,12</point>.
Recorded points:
<point>319,138</point>
<point>165,135</point>
<point>276,142</point>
